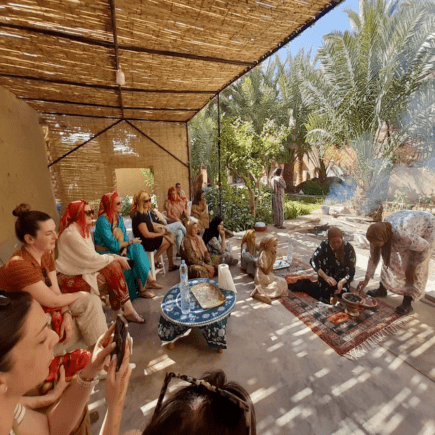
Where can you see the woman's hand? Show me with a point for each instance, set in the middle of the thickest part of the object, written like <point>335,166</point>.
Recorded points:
<point>221,230</point>
<point>66,328</point>
<point>331,281</point>
<point>123,261</point>
<point>362,285</point>
<point>117,382</point>
<point>210,270</point>
<point>102,350</point>
<point>136,241</point>
<point>340,286</point>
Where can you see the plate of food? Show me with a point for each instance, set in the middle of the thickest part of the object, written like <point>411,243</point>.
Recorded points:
<point>208,295</point>
<point>369,302</point>
<point>280,264</point>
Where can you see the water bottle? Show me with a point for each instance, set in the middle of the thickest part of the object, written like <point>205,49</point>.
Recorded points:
<point>184,289</point>
<point>290,252</point>
<point>228,246</point>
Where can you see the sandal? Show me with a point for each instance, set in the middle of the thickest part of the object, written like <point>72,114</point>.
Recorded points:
<point>380,292</point>
<point>174,267</point>
<point>158,265</point>
<point>146,294</point>
<point>134,318</point>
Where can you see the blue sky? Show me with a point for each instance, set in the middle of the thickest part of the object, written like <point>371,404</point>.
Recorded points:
<point>312,37</point>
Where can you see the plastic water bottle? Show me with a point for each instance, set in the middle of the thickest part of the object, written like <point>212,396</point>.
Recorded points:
<point>228,246</point>
<point>290,252</point>
<point>184,289</point>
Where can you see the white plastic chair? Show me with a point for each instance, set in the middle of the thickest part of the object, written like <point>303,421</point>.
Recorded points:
<point>152,263</point>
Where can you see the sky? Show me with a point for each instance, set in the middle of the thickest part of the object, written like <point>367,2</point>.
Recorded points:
<point>312,37</point>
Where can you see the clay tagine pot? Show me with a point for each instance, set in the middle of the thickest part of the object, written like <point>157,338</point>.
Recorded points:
<point>352,302</point>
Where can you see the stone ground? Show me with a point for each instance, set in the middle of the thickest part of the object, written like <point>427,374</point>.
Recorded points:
<point>297,382</point>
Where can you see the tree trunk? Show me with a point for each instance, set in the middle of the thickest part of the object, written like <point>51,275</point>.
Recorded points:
<point>322,171</point>
<point>252,201</point>
<point>288,174</point>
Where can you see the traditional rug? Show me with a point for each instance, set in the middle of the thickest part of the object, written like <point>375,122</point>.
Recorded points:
<point>349,336</point>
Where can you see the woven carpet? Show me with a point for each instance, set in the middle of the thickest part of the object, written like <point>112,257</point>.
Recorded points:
<point>349,336</point>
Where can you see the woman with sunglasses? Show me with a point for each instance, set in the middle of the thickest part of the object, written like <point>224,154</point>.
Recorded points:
<point>111,238</point>
<point>26,351</point>
<point>210,405</point>
<point>153,236</point>
<point>32,269</point>
<point>79,267</point>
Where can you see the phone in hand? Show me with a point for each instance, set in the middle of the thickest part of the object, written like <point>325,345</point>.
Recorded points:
<point>130,263</point>
<point>120,338</point>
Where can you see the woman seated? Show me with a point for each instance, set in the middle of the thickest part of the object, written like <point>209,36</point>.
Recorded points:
<point>214,239</point>
<point>175,207</point>
<point>107,241</point>
<point>176,227</point>
<point>79,267</point>
<point>211,405</point>
<point>26,352</point>
<point>334,261</point>
<point>267,285</point>
<point>199,210</point>
<point>249,255</point>
<point>32,269</point>
<point>201,264</point>
<point>153,236</point>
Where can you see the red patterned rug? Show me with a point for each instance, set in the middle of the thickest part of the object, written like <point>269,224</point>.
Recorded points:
<point>349,336</point>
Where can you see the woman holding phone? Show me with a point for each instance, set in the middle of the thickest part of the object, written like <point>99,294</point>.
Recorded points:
<point>26,351</point>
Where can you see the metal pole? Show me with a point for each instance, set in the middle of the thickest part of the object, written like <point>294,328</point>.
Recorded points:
<point>219,154</point>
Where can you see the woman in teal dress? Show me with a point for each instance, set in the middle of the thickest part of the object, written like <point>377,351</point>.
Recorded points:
<point>111,237</point>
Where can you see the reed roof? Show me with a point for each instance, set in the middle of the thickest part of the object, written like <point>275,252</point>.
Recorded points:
<point>61,56</point>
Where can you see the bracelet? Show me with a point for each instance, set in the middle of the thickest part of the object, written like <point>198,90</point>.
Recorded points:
<point>86,383</point>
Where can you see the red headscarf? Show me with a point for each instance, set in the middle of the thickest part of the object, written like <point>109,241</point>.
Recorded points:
<point>173,189</point>
<point>107,207</point>
<point>75,212</point>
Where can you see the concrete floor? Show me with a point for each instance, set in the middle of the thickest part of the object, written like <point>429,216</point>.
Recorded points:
<point>297,382</point>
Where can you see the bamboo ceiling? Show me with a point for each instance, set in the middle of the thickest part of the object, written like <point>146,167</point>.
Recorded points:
<point>61,56</point>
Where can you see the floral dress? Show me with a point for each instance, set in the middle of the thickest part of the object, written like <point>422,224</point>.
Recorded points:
<point>325,259</point>
<point>214,246</point>
<point>194,261</point>
<point>413,239</point>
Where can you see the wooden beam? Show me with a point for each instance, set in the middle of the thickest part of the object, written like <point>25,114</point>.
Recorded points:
<point>156,143</point>
<point>106,87</point>
<point>43,100</point>
<point>84,143</point>
<point>131,48</point>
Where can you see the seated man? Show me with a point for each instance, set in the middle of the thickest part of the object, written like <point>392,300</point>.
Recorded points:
<point>32,269</point>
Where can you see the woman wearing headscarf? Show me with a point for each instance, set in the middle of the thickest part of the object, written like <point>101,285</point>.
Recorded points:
<point>405,241</point>
<point>201,264</point>
<point>334,261</point>
<point>278,186</point>
<point>249,253</point>
<point>80,268</point>
<point>214,239</point>
<point>153,236</point>
<point>199,210</point>
<point>110,237</point>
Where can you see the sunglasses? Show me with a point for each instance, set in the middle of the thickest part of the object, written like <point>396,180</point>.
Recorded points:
<point>148,200</point>
<point>89,212</point>
<point>118,203</point>
<point>244,405</point>
<point>4,301</point>
<point>47,279</point>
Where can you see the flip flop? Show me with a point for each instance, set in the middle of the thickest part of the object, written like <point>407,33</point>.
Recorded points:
<point>133,319</point>
<point>146,294</point>
<point>158,265</point>
<point>154,285</point>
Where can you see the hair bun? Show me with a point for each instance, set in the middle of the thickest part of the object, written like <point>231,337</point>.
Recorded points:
<point>21,210</point>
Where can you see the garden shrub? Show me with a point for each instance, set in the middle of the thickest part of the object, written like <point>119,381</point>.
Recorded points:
<point>293,209</point>
<point>236,210</point>
<point>315,187</point>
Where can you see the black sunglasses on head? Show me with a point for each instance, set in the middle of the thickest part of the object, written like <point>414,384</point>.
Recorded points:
<point>89,212</point>
<point>148,200</point>
<point>4,301</point>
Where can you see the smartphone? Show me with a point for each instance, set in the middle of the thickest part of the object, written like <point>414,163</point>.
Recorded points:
<point>130,263</point>
<point>120,338</point>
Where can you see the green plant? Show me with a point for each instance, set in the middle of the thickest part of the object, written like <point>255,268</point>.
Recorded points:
<point>293,209</point>
<point>236,210</point>
<point>315,187</point>
<point>126,205</point>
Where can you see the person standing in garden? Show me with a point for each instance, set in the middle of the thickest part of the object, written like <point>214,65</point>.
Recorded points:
<point>278,185</point>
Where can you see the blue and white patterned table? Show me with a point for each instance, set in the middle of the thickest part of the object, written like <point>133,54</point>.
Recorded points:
<point>173,323</point>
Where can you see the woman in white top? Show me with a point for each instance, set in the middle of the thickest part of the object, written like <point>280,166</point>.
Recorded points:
<point>26,351</point>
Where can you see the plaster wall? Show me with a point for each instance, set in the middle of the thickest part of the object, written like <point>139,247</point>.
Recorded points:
<point>24,176</point>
